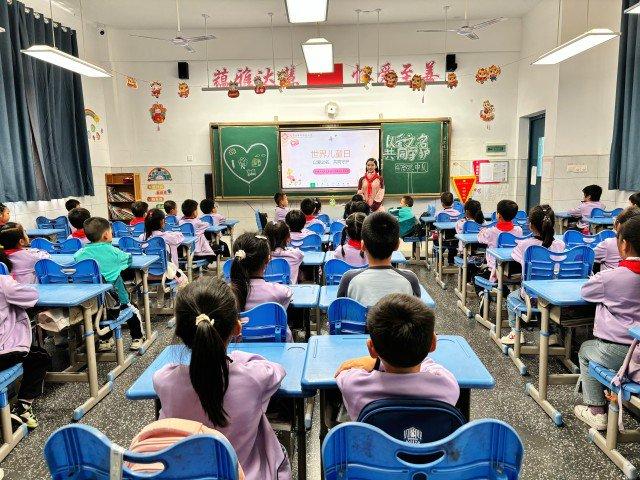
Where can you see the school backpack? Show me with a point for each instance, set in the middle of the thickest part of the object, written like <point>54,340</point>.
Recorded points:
<point>162,434</point>
<point>629,372</point>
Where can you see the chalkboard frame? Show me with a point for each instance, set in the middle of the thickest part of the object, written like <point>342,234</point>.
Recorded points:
<point>445,157</point>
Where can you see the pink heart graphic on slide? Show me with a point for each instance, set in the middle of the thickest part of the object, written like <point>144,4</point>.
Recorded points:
<point>295,143</point>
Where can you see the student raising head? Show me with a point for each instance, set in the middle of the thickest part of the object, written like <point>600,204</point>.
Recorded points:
<point>380,238</point>
<point>139,210</point>
<point>350,249</point>
<point>591,200</point>
<point>506,211</point>
<point>226,391</point>
<point>402,334</point>
<point>295,219</point>
<point>154,223</point>
<point>16,254</point>
<point>282,206</point>
<point>5,214</point>
<point>607,254</point>
<point>279,237</point>
<point>77,217</point>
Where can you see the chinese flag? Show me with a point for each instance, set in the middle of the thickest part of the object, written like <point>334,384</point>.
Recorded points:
<point>330,78</point>
<point>464,186</point>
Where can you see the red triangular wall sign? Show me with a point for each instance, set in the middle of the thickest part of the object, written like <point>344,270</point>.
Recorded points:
<point>464,186</point>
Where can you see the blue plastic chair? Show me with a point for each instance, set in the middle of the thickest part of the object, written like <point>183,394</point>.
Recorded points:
<point>482,449</point>
<point>459,206</point>
<point>336,227</point>
<point>209,219</point>
<point>445,217</point>
<point>573,238</point>
<point>171,220</point>
<point>543,264</point>
<point>60,222</point>
<point>277,271</point>
<point>520,215</point>
<point>335,268</point>
<point>3,269</point>
<point>310,243</point>
<point>82,452</point>
<point>413,420</point>
<point>8,377</point>
<point>318,228</point>
<point>137,230</point>
<point>347,316</point>
<point>120,229</point>
<point>226,269</point>
<point>266,323</point>
<point>602,213</point>
<point>336,238</point>
<point>324,218</point>
<point>471,227</point>
<point>259,221</point>
<point>85,271</point>
<point>187,229</point>
<point>69,246</point>
<point>153,246</point>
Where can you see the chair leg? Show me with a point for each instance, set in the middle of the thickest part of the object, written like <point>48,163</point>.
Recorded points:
<point>9,438</point>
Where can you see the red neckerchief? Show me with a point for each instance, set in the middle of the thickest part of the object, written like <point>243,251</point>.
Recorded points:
<point>370,179</point>
<point>504,226</point>
<point>79,233</point>
<point>308,218</point>
<point>633,265</point>
<point>136,220</point>
<point>355,244</point>
<point>11,251</point>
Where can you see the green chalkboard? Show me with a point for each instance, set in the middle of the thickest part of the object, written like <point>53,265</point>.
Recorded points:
<point>248,161</point>
<point>414,156</point>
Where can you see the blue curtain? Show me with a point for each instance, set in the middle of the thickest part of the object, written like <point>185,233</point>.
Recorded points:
<point>624,167</point>
<point>48,156</point>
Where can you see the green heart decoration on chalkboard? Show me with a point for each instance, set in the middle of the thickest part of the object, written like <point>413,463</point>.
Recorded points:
<point>246,164</point>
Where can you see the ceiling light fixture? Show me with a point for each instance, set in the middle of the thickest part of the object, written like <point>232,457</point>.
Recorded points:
<point>1,29</point>
<point>318,54</point>
<point>307,11</point>
<point>635,9</point>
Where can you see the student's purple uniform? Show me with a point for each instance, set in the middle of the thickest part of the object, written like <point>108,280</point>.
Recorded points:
<point>616,293</point>
<point>281,213</point>
<point>351,255</point>
<point>218,218</point>
<point>607,254</point>
<point>15,327</point>
<point>23,261</point>
<point>359,388</point>
<point>203,247</point>
<point>171,239</point>
<point>489,237</point>
<point>264,292</point>
<point>522,245</point>
<point>584,211</point>
<point>294,257</point>
<point>459,229</point>
<point>252,382</point>
<point>299,236</point>
<point>449,211</point>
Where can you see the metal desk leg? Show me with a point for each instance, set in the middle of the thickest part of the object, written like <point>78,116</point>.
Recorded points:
<point>440,262</point>
<point>462,303</point>
<point>150,334</point>
<point>230,229</point>
<point>496,332</point>
<point>464,403</point>
<point>189,263</point>
<point>218,267</point>
<point>298,427</point>
<point>323,425</point>
<point>318,324</point>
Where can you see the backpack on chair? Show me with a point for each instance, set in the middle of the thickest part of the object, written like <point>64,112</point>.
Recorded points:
<point>628,372</point>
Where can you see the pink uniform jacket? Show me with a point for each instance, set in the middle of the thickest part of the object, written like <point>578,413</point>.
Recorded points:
<point>15,327</point>
<point>281,213</point>
<point>263,292</point>
<point>23,261</point>
<point>203,247</point>
<point>294,257</point>
<point>172,240</point>
<point>351,255</point>
<point>584,211</point>
<point>607,254</point>
<point>375,199</point>
<point>489,236</point>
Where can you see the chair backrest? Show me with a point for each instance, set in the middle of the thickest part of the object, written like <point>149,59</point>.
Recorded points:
<point>137,229</point>
<point>317,228</point>
<point>310,243</point>
<point>277,271</point>
<point>347,316</point>
<point>209,219</point>
<point>60,222</point>
<point>226,269</point>
<point>524,225</point>
<point>458,205</point>
<point>324,218</point>
<point>187,229</point>
<point>3,269</point>
<point>153,246</point>
<point>170,220</point>
<point>336,227</point>
<point>120,229</point>
<point>261,220</point>
<point>81,451</point>
<point>509,240</point>
<point>44,244</point>
<point>267,323</point>
<point>336,239</point>
<point>70,246</point>
<point>445,217</point>
<point>573,238</point>
<point>470,227</point>
<point>335,268</point>
<point>604,234</point>
<point>481,449</point>
<point>602,213</point>
<point>413,420</point>
<point>85,271</point>
<point>543,264</point>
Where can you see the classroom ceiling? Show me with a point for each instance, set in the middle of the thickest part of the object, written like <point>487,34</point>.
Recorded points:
<point>161,14</point>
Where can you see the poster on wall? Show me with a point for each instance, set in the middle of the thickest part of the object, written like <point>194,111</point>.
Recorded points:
<point>491,172</point>
<point>95,131</point>
<point>156,185</point>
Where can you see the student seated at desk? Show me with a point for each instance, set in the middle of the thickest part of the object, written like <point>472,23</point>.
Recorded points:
<point>295,219</point>
<point>71,204</point>
<point>472,212</point>
<point>139,210</point>
<point>282,206</point>
<point>402,335</point>
<point>309,207</point>
<point>541,223</point>
<point>112,262</point>
<point>279,237</point>
<point>171,208</point>
<point>77,217</point>
<point>16,346</point>
<point>203,248</point>
<point>5,214</point>
<point>405,215</point>
<point>228,392</point>
<point>154,224</point>
<point>592,194</point>
<point>617,295</point>
<point>380,238</point>
<point>634,200</point>
<point>14,245</point>
<point>446,201</point>
<point>607,254</point>
<point>351,250</point>
<point>208,207</point>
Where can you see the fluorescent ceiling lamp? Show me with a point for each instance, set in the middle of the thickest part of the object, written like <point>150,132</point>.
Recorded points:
<point>318,53</point>
<point>57,57</point>
<point>576,46</point>
<point>1,29</point>
<point>307,11</point>
<point>634,9</point>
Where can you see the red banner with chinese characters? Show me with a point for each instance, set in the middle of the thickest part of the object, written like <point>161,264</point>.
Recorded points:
<point>464,185</point>
<point>329,78</point>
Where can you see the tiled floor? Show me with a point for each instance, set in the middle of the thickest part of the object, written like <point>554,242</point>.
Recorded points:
<point>550,452</point>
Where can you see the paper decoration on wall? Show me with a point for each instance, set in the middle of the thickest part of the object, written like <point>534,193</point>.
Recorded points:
<point>487,113</point>
<point>132,83</point>
<point>158,113</point>
<point>159,174</point>
<point>418,83</point>
<point>464,185</point>
<point>494,72</point>
<point>94,130</point>
<point>233,90</point>
<point>391,79</point>
<point>259,85</point>
<point>489,172</point>
<point>183,90</point>
<point>365,78</point>
<point>452,80</point>
<point>156,89</point>
<point>482,75</point>
<point>284,80</point>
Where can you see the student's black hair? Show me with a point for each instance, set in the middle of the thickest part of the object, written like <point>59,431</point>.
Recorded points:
<point>380,234</point>
<point>3,207</point>
<point>317,206</point>
<point>357,198</point>
<point>296,220</point>
<point>473,210</point>
<point>169,205</point>
<point>627,214</point>
<point>362,207</point>
<point>153,222</point>
<point>251,254</point>
<point>308,206</point>
<point>630,232</point>
<point>353,230</point>
<point>508,209</point>
<point>139,209</point>
<point>594,192</point>
<point>78,216</point>
<point>278,198</point>
<point>277,233</point>
<point>71,204</point>
<point>189,207</point>
<point>446,198</point>
<point>206,317</point>
<point>95,227</point>
<point>401,328</point>
<point>374,161</point>
<point>542,221</point>
<point>634,198</point>
<point>347,210</point>
<point>10,235</point>
<point>408,200</point>
<point>207,205</point>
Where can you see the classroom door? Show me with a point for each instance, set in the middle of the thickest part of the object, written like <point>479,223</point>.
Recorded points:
<point>534,165</point>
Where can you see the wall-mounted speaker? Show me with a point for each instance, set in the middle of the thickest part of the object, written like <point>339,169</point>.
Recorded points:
<point>451,62</point>
<point>208,186</point>
<point>183,70</point>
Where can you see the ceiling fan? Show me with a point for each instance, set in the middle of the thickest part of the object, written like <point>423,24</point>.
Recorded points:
<point>179,40</point>
<point>467,30</point>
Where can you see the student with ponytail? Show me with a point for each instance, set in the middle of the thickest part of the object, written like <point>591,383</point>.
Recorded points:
<point>228,392</point>
<point>154,222</point>
<point>279,236</point>
<point>350,249</point>
<point>541,223</point>
<point>16,254</point>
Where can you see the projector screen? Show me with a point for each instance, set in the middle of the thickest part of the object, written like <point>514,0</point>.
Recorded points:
<point>326,159</point>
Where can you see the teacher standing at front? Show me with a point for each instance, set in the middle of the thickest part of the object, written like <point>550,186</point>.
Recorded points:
<point>371,185</point>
